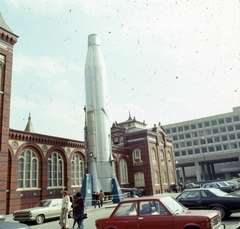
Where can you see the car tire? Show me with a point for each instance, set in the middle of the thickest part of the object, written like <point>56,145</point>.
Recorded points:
<point>70,214</point>
<point>40,219</point>
<point>223,212</point>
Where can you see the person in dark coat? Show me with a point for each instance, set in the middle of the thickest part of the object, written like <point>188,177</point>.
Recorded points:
<point>79,210</point>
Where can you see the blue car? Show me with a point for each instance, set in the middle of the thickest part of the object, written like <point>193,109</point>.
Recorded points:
<point>13,225</point>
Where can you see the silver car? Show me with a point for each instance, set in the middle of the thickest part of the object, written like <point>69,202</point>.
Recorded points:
<point>45,209</point>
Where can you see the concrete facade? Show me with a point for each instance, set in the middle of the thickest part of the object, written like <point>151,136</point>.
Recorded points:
<point>207,148</point>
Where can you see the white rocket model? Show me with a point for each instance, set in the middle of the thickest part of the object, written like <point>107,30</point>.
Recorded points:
<point>98,137</point>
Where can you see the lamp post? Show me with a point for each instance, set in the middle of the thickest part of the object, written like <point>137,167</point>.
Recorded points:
<point>204,159</point>
<point>177,172</point>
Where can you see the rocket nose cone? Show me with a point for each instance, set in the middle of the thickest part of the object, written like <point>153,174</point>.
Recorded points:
<point>93,39</point>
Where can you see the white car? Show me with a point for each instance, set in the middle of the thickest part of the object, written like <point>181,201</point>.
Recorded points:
<point>45,209</point>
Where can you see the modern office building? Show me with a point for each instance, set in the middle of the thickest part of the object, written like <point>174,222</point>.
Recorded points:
<point>207,148</point>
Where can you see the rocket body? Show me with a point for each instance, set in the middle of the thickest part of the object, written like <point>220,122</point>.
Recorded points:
<point>98,136</point>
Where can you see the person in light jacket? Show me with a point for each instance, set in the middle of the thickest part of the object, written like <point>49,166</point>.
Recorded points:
<point>66,205</point>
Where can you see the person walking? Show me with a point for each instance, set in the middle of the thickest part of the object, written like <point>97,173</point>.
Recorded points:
<point>101,197</point>
<point>66,204</point>
<point>74,207</point>
<point>80,210</point>
<point>97,202</point>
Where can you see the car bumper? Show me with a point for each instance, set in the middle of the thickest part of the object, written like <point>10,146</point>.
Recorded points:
<point>24,219</point>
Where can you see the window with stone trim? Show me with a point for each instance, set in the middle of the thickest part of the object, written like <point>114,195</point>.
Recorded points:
<point>137,155</point>
<point>154,158</point>
<point>28,170</point>
<point>162,157</point>
<point>123,171</point>
<point>55,170</point>
<point>156,178</point>
<point>164,177</point>
<point>2,63</point>
<point>139,179</point>
<point>169,158</point>
<point>77,170</point>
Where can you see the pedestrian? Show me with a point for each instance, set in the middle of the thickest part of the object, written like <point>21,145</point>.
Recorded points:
<point>101,197</point>
<point>94,199</point>
<point>80,210</point>
<point>66,205</point>
<point>97,202</point>
<point>70,197</point>
<point>74,207</point>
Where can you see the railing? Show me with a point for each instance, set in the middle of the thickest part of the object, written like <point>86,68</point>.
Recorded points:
<point>108,198</point>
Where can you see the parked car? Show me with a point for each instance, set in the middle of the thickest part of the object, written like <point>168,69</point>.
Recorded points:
<point>210,198</point>
<point>222,186</point>
<point>158,213</point>
<point>234,184</point>
<point>2,217</point>
<point>192,185</point>
<point>45,209</point>
<point>13,225</point>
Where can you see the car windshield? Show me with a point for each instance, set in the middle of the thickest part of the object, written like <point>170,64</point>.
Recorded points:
<point>43,203</point>
<point>172,205</point>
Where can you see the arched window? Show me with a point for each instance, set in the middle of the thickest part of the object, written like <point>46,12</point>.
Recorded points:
<point>137,155</point>
<point>28,170</point>
<point>55,170</point>
<point>156,178</point>
<point>162,157</point>
<point>123,172</point>
<point>2,63</point>
<point>139,179</point>
<point>77,170</point>
<point>164,177</point>
<point>171,177</point>
<point>116,140</point>
<point>154,155</point>
<point>121,139</point>
<point>169,157</point>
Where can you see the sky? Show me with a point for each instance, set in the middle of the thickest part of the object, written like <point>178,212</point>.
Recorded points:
<point>167,61</point>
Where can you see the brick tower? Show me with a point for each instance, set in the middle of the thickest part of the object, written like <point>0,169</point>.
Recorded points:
<point>7,41</point>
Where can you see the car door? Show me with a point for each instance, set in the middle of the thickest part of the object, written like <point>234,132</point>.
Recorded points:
<point>125,216</point>
<point>153,215</point>
<point>54,208</point>
<point>191,199</point>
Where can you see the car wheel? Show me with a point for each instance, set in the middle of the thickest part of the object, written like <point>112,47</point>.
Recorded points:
<point>40,219</point>
<point>70,214</point>
<point>223,212</point>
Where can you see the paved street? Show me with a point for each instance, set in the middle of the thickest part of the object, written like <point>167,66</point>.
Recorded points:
<point>97,213</point>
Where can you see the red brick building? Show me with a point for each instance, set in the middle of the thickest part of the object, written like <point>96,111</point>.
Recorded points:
<point>144,157</point>
<point>35,166</point>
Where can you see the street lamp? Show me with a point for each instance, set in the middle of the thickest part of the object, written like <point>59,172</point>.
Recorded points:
<point>177,172</point>
<point>203,141</point>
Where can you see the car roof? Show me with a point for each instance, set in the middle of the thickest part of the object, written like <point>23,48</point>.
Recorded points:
<point>199,189</point>
<point>150,198</point>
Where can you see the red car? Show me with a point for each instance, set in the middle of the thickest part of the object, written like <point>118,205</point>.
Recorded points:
<point>158,213</point>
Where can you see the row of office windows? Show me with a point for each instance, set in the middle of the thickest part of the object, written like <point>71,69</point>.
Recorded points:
<point>221,121</point>
<point>210,149</point>
<point>203,133</point>
<point>207,140</point>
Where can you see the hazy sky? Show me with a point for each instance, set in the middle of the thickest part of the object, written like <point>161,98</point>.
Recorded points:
<point>167,61</point>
